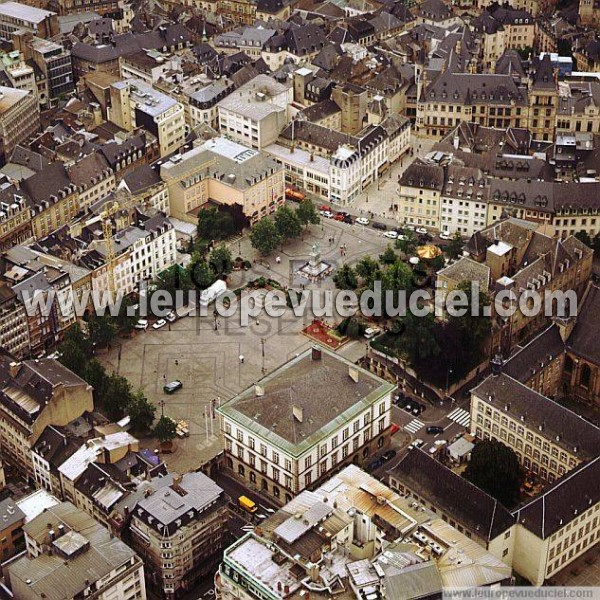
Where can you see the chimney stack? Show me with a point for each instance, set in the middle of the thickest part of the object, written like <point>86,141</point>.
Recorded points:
<point>316,353</point>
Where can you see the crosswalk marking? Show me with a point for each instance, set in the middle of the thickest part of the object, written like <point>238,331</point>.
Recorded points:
<point>414,426</point>
<point>460,416</point>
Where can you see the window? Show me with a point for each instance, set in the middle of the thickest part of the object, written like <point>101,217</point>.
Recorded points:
<point>308,462</point>
<point>276,457</point>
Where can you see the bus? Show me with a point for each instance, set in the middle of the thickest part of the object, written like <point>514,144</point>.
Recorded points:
<point>293,194</point>
<point>247,504</point>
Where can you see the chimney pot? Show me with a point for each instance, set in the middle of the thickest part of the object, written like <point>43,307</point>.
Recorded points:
<point>316,353</point>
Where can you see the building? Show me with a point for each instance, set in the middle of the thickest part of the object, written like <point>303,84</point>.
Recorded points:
<point>203,104</point>
<point>15,216</point>
<point>485,99</point>
<point>178,526</point>
<point>220,171</point>
<point>36,394</point>
<point>15,16</point>
<point>303,422</point>
<point>256,112</point>
<point>53,199</point>
<point>457,501</point>
<point>521,258</point>
<point>355,536</point>
<point>355,162</point>
<point>464,201</point>
<point>12,541</point>
<point>548,439</point>
<point>142,252</point>
<point>70,555</point>
<point>19,73</point>
<point>134,103</point>
<point>93,177</point>
<point>420,194</point>
<point>19,118</point>
<point>558,447</point>
<point>145,184</point>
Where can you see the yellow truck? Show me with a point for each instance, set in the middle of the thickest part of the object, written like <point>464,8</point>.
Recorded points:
<point>247,504</point>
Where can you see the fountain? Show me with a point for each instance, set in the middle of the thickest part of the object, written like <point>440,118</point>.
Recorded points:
<point>315,267</point>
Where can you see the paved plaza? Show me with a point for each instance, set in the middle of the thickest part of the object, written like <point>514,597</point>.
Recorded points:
<point>208,362</point>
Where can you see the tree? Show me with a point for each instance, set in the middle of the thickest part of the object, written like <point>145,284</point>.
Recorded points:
<point>495,469</point>
<point>388,257</point>
<point>307,213</point>
<point>75,334</point>
<point>419,336</point>
<point>200,273</point>
<point>96,376</point>
<point>166,429</point>
<point>407,242</point>
<point>265,237</point>
<point>345,278</point>
<point>474,326</point>
<point>455,247</point>
<point>125,322</point>
<point>102,331</point>
<point>220,260</point>
<point>367,269</point>
<point>397,276</point>
<point>214,224</point>
<point>117,396</point>
<point>287,223</point>
<point>141,411</point>
<point>582,236</point>
<point>72,356</point>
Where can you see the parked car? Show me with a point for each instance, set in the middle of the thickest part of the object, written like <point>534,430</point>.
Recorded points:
<point>171,317</point>
<point>392,235</point>
<point>142,324</point>
<point>435,429</point>
<point>172,386</point>
<point>340,216</point>
<point>324,207</point>
<point>444,235</point>
<point>394,428</point>
<point>374,464</point>
<point>371,332</point>
<point>362,221</point>
<point>388,455</point>
<point>380,226</point>
<point>348,219</point>
<point>327,214</point>
<point>160,323</point>
<point>425,238</point>
<point>416,444</point>
<point>421,230</point>
<point>401,237</point>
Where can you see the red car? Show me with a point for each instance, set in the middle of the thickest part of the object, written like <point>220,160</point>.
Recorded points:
<point>339,217</point>
<point>394,428</point>
<point>324,207</point>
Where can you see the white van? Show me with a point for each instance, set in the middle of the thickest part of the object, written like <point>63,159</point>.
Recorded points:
<point>211,293</point>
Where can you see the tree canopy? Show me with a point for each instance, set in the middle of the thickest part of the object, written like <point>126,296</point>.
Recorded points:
<point>287,223</point>
<point>307,213</point>
<point>214,224</point>
<point>165,429</point>
<point>265,236</point>
<point>345,278</point>
<point>495,469</point>
<point>220,260</point>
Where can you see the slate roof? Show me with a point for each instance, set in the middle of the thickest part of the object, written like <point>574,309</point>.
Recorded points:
<point>419,174</point>
<point>475,88</point>
<point>559,424</point>
<point>455,495</point>
<point>50,181</point>
<point>89,170</point>
<point>544,348</point>
<point>583,340</point>
<point>321,389</point>
<point>141,178</point>
<point>567,498</point>
<point>434,10</point>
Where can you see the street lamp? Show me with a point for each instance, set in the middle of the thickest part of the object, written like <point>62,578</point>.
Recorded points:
<point>448,379</point>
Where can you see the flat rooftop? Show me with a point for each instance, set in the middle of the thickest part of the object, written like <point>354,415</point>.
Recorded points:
<point>24,12</point>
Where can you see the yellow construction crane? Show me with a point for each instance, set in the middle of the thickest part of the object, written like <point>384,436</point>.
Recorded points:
<point>106,215</point>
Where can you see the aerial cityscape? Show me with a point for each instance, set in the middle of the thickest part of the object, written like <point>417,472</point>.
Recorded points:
<point>299,299</point>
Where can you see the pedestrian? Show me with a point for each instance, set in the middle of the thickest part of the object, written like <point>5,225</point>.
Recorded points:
<point>257,323</point>
<point>241,359</point>
<point>164,377</point>
<point>176,363</point>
